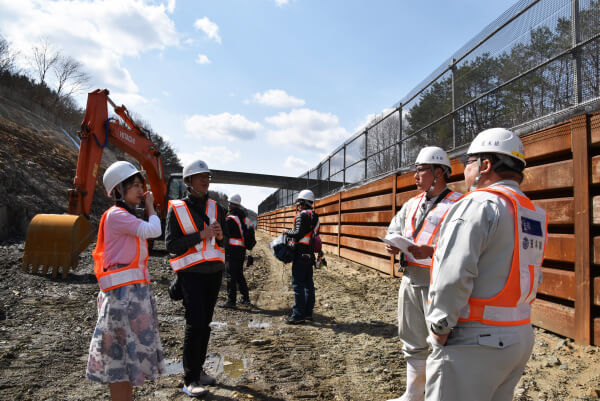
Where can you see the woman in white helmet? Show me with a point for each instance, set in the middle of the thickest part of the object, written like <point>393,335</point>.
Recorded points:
<point>418,219</point>
<point>125,349</point>
<point>485,273</point>
<point>193,235</point>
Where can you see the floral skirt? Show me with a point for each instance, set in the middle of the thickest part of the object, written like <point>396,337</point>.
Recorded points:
<point>125,345</point>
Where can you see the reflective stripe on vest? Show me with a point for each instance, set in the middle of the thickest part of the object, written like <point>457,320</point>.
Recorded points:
<point>202,252</point>
<point>512,305</point>
<point>237,241</point>
<point>306,239</point>
<point>134,272</point>
<point>430,227</point>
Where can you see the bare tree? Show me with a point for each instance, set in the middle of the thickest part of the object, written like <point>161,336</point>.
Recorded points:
<point>70,76</point>
<point>7,56</point>
<point>43,58</point>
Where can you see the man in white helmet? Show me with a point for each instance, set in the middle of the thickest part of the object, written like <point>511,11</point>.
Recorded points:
<point>194,236</point>
<point>306,226</point>
<point>418,219</point>
<point>485,274</point>
<point>236,227</point>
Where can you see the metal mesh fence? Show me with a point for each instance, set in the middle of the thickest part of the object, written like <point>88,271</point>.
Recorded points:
<point>539,59</point>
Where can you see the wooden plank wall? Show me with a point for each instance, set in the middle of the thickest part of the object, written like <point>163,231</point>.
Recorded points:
<point>562,176</point>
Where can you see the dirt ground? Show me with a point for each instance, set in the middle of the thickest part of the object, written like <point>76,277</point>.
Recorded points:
<point>350,351</point>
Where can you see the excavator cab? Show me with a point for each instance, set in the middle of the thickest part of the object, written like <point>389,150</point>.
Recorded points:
<point>176,187</point>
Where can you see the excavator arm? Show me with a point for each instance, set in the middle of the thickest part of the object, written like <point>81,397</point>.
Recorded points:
<point>57,240</point>
<point>96,131</point>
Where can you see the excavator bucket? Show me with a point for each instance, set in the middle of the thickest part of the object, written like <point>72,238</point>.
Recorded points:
<point>55,240</point>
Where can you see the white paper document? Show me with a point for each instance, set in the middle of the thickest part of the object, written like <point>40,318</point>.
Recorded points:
<point>398,241</point>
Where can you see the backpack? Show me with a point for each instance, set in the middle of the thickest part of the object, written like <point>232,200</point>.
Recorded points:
<point>249,238</point>
<point>282,249</point>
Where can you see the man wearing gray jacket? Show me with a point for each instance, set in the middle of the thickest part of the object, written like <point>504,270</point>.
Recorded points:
<point>485,273</point>
<point>419,220</point>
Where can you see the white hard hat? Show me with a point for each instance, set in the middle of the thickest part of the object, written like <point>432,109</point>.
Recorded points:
<point>307,195</point>
<point>195,167</point>
<point>235,199</point>
<point>433,155</point>
<point>116,173</point>
<point>498,140</point>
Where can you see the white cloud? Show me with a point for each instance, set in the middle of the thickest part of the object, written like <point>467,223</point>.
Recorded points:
<point>296,164</point>
<point>224,126</point>
<point>217,157</point>
<point>171,6</point>
<point>209,28</point>
<point>307,129</point>
<point>137,27</point>
<point>281,3</point>
<point>277,98</point>
<point>202,59</point>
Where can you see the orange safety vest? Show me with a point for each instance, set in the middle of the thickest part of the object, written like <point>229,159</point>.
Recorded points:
<point>237,241</point>
<point>430,227</point>
<point>306,239</point>
<point>135,272</point>
<point>512,305</point>
<point>204,251</point>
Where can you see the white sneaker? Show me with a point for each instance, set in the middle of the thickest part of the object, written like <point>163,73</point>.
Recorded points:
<point>194,389</point>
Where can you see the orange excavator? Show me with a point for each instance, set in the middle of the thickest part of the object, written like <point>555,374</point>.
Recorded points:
<point>55,240</point>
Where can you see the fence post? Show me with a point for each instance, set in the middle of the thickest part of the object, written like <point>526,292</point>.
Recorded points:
<point>576,52</point>
<point>393,257</point>
<point>453,72</point>
<point>581,202</point>
<point>399,164</point>
<point>339,220</point>
<point>366,152</point>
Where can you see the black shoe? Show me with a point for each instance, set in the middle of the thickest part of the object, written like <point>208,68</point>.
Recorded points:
<point>294,320</point>
<point>309,318</point>
<point>228,304</point>
<point>244,301</point>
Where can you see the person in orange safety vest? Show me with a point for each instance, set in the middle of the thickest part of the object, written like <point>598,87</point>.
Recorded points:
<point>194,236</point>
<point>419,220</point>
<point>485,274</point>
<point>125,349</point>
<point>236,226</point>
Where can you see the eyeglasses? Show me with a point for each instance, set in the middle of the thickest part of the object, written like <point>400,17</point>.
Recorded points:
<point>420,170</point>
<point>469,161</point>
<point>205,176</point>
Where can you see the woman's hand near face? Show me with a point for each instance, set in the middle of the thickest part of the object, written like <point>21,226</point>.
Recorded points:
<point>149,202</point>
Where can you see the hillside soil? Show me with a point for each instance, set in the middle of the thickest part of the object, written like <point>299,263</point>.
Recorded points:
<point>349,352</point>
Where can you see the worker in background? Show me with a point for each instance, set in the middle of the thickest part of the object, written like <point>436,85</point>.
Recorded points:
<point>236,227</point>
<point>306,225</point>
<point>125,349</point>
<point>194,235</point>
<point>485,274</point>
<point>418,219</point>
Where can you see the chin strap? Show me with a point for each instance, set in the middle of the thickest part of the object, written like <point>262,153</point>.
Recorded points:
<point>432,186</point>
<point>194,190</point>
<point>474,186</point>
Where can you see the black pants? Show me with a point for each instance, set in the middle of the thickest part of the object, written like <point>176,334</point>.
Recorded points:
<point>234,273</point>
<point>200,293</point>
<point>303,286</point>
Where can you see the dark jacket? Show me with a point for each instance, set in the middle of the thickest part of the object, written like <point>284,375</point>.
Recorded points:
<point>302,226</point>
<point>177,243</point>
<point>233,231</point>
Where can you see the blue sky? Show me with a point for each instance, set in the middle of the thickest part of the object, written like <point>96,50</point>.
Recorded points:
<point>264,86</point>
